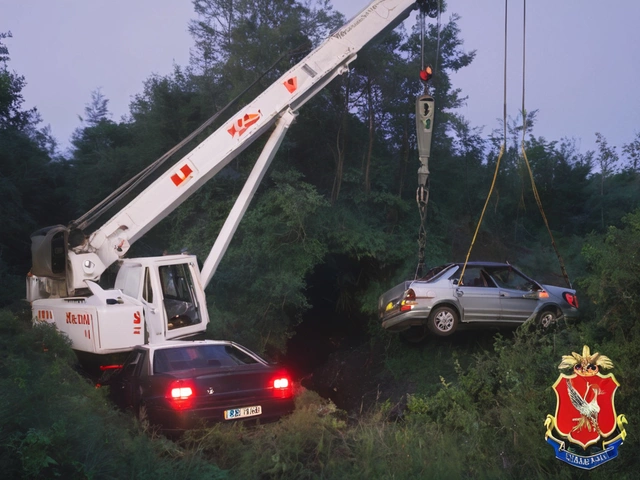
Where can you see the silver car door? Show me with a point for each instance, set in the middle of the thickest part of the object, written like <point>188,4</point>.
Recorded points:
<point>517,298</point>
<point>478,296</point>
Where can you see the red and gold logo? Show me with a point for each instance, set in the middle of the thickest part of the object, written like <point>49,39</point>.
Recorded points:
<point>585,431</point>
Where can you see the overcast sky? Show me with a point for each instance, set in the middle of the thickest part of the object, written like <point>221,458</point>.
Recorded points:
<point>583,59</point>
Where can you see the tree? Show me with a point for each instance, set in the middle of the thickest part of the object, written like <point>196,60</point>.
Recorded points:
<point>97,110</point>
<point>632,151</point>
<point>613,260</point>
<point>31,180</point>
<point>607,160</point>
<point>101,157</point>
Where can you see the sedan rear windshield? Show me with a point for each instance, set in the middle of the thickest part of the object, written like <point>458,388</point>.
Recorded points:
<point>436,272</point>
<point>201,356</point>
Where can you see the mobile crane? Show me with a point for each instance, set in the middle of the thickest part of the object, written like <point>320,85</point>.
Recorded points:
<point>162,298</point>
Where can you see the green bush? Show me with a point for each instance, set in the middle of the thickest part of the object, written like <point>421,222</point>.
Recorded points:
<point>54,423</point>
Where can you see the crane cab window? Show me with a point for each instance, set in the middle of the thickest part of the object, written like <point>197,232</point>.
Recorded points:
<point>147,291</point>
<point>179,296</point>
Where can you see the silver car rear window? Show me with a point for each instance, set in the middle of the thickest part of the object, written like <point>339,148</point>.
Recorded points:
<point>437,272</point>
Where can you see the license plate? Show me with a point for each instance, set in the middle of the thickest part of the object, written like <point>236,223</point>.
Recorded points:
<point>242,412</point>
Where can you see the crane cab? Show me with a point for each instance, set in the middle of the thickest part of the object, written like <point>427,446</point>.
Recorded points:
<point>154,299</point>
<point>170,289</point>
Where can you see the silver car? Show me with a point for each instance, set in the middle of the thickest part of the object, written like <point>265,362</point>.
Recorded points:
<point>490,294</point>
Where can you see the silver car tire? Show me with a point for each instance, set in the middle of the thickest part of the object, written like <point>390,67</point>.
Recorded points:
<point>443,321</point>
<point>547,318</point>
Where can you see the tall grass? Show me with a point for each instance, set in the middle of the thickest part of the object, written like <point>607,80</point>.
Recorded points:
<point>55,424</point>
<point>472,411</point>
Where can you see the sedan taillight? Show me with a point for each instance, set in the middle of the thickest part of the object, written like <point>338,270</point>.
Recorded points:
<point>180,395</point>
<point>282,387</point>
<point>571,299</point>
<point>408,301</point>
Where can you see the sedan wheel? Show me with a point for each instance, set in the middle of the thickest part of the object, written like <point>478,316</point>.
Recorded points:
<point>443,321</point>
<point>547,318</point>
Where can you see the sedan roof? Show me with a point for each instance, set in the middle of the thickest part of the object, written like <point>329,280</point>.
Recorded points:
<point>484,264</point>
<point>184,343</point>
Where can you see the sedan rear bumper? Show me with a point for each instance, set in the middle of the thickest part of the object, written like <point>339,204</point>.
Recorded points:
<point>170,419</point>
<point>404,320</point>
<point>571,313</point>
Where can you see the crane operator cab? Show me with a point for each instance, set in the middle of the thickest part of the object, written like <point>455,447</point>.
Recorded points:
<point>170,289</point>
<point>154,299</point>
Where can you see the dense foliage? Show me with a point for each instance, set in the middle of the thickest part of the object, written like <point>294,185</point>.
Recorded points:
<point>332,226</point>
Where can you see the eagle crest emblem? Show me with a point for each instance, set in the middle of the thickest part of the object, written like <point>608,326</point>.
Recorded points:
<point>585,431</point>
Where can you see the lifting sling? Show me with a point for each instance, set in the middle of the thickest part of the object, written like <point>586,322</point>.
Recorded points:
<point>523,151</point>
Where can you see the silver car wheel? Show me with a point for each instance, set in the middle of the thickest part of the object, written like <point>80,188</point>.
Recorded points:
<point>547,319</point>
<point>443,321</point>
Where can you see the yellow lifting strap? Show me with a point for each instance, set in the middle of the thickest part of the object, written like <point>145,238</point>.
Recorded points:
<point>544,217</point>
<point>484,209</point>
<point>524,153</point>
<point>502,150</point>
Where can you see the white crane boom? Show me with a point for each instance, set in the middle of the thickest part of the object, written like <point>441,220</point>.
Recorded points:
<point>110,242</point>
<point>160,298</point>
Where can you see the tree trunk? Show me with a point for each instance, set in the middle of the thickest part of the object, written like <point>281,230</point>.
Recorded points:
<point>367,164</point>
<point>340,145</point>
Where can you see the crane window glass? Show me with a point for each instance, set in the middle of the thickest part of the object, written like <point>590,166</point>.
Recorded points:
<point>147,291</point>
<point>179,296</point>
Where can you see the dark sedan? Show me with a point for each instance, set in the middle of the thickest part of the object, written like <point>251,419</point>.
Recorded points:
<point>179,385</point>
<point>490,294</point>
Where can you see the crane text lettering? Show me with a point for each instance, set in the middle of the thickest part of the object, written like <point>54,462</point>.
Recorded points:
<point>79,318</point>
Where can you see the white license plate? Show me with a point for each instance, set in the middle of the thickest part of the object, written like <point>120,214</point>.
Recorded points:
<point>242,412</point>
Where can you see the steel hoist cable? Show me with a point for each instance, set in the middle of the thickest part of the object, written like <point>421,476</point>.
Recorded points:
<point>438,40</point>
<point>524,152</point>
<point>425,108</point>
<point>92,215</point>
<point>502,150</point>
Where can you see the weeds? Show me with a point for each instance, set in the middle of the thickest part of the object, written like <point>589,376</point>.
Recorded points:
<point>53,423</point>
<point>475,407</point>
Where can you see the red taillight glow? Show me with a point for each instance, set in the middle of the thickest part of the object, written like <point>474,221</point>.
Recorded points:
<point>180,395</point>
<point>571,299</point>
<point>282,387</point>
<point>110,367</point>
<point>281,383</point>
